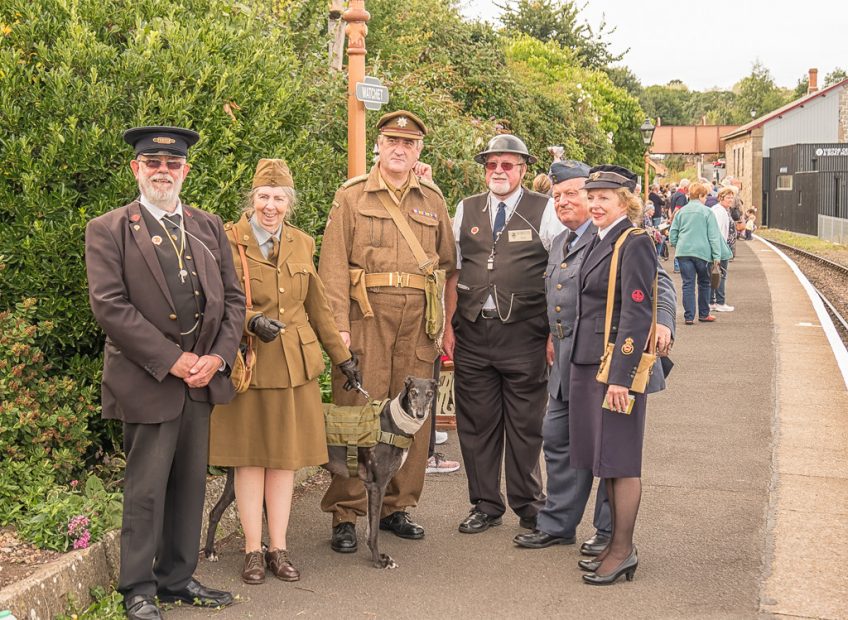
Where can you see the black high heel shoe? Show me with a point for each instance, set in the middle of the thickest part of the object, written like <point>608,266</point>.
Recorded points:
<point>626,568</point>
<point>590,566</point>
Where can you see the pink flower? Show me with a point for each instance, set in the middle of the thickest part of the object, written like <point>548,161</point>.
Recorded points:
<point>83,541</point>
<point>74,484</point>
<point>77,525</point>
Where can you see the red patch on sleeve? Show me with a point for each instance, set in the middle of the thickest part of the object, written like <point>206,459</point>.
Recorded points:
<point>637,296</point>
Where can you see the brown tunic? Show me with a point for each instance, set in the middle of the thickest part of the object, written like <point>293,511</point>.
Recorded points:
<point>279,422</point>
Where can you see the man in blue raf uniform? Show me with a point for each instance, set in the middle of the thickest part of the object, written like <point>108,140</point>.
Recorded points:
<point>163,288</point>
<point>568,489</point>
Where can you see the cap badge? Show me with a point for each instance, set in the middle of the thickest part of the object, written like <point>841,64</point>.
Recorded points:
<point>163,140</point>
<point>595,176</point>
<point>401,121</point>
<point>156,239</point>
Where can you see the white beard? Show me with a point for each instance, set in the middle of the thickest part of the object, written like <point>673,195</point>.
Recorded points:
<point>499,188</point>
<point>162,196</point>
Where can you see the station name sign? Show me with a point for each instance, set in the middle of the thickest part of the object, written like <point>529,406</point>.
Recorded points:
<point>372,93</point>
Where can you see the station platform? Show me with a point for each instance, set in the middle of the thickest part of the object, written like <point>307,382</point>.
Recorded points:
<point>744,510</point>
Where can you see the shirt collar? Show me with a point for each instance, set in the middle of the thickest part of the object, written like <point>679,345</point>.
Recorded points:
<point>582,228</point>
<point>510,201</point>
<point>262,235</point>
<point>156,211</point>
<point>603,233</point>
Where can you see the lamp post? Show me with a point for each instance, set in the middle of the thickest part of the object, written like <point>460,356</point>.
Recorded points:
<point>647,130</point>
<point>357,28</point>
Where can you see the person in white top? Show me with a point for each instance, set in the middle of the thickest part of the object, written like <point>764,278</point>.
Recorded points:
<point>721,211</point>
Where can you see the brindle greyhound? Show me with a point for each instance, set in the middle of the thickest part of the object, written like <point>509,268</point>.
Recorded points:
<point>377,465</point>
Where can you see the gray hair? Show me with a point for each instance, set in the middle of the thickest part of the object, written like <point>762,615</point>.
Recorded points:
<point>683,183</point>
<point>290,193</point>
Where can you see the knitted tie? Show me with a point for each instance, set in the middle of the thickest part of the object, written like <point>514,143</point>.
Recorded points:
<point>275,249</point>
<point>500,220</point>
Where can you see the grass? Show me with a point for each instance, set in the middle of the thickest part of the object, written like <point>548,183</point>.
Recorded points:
<point>802,242</point>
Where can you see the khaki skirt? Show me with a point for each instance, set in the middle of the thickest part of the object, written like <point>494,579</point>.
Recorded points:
<point>274,428</point>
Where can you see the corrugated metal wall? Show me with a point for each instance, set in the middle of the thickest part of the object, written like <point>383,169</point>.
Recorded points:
<point>817,121</point>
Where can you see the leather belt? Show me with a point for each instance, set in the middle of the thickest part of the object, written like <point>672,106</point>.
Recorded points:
<point>396,279</point>
<point>489,314</point>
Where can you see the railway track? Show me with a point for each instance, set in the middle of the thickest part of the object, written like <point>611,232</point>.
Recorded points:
<point>830,280</point>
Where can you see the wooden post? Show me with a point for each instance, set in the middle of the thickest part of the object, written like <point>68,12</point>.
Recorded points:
<point>357,19</point>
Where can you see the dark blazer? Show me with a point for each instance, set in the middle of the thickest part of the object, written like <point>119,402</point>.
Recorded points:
<point>561,288</point>
<point>632,311</point>
<point>131,301</point>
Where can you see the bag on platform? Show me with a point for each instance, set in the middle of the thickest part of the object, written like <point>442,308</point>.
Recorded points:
<point>649,357</point>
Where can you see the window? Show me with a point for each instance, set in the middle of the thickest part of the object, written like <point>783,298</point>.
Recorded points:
<point>784,182</point>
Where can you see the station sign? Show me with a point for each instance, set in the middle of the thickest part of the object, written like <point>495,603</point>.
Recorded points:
<point>372,93</point>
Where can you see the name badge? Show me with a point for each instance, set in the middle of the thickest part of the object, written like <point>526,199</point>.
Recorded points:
<point>520,235</point>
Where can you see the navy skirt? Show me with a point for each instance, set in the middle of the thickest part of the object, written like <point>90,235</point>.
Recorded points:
<point>610,444</point>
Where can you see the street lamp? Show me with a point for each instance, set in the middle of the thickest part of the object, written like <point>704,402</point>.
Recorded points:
<point>647,130</point>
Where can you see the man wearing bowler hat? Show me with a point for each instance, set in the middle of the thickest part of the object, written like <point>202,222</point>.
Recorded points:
<point>163,288</point>
<point>375,283</point>
<point>568,489</point>
<point>498,334</point>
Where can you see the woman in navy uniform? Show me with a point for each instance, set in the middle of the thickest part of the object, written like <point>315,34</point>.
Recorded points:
<point>604,437</point>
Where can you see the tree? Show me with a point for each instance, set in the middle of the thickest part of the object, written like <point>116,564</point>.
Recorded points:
<point>669,103</point>
<point>756,94</point>
<point>837,75</point>
<point>558,20</point>
<point>624,78</point>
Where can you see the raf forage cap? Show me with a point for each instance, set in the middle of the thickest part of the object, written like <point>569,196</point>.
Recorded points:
<point>160,140</point>
<point>611,177</point>
<point>402,124</point>
<point>568,169</point>
<point>272,173</point>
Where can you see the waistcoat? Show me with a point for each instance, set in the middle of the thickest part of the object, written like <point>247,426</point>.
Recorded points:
<point>516,280</point>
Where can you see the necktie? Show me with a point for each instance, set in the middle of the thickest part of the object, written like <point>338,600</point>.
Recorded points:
<point>500,220</point>
<point>568,241</point>
<point>275,249</point>
<point>173,220</point>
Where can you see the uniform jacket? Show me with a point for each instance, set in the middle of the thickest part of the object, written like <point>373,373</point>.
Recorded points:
<point>561,278</point>
<point>130,300</point>
<point>360,233</point>
<point>632,311</point>
<point>290,291</point>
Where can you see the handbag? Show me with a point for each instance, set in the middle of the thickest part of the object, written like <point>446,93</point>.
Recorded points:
<point>715,276</point>
<point>242,370</point>
<point>649,357</point>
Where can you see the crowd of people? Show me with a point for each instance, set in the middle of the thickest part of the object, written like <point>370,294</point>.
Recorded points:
<point>558,364</point>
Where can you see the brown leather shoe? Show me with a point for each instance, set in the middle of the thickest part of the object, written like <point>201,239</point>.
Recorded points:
<point>280,564</point>
<point>253,573</point>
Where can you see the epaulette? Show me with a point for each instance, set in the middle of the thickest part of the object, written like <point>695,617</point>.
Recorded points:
<point>228,225</point>
<point>350,182</point>
<point>431,185</point>
<point>300,230</point>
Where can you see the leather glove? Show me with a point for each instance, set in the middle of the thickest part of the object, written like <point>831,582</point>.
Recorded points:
<point>266,329</point>
<point>350,369</point>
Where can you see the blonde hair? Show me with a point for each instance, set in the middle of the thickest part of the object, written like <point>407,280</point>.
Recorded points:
<point>698,190</point>
<point>248,209</point>
<point>632,204</point>
<point>542,184</point>
<point>724,191</point>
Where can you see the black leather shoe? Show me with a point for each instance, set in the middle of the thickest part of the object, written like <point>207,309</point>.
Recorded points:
<point>595,545</point>
<point>478,521</point>
<point>627,568</point>
<point>195,593</point>
<point>142,607</point>
<point>590,566</point>
<point>528,523</point>
<point>538,539</point>
<point>344,538</point>
<point>402,525</point>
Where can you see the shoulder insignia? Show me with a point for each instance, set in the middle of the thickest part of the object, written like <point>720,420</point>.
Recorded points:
<point>355,180</point>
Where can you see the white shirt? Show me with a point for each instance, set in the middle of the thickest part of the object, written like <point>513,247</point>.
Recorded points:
<point>723,219</point>
<point>156,211</point>
<point>603,232</point>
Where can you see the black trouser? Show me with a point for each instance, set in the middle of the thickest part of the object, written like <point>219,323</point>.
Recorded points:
<point>500,376</point>
<point>164,489</point>
<point>437,370</point>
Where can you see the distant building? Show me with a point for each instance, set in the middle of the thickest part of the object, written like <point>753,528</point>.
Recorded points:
<point>818,121</point>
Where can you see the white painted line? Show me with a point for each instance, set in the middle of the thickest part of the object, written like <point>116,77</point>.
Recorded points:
<point>806,324</point>
<point>836,344</point>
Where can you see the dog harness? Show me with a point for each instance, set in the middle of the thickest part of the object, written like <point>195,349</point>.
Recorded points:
<point>359,427</point>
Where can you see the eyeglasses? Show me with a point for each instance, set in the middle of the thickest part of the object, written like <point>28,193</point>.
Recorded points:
<point>505,165</point>
<point>155,164</point>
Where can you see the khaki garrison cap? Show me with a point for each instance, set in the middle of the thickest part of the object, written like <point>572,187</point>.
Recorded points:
<point>272,173</point>
<point>402,124</point>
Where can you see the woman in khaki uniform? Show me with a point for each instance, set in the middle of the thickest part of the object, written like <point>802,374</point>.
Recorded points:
<point>277,425</point>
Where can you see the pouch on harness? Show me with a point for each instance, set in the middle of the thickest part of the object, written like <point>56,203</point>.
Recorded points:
<point>359,427</point>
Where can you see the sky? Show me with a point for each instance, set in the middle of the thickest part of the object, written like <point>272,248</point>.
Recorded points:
<point>787,37</point>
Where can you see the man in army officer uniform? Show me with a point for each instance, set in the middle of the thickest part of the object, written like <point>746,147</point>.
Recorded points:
<point>375,289</point>
<point>163,287</point>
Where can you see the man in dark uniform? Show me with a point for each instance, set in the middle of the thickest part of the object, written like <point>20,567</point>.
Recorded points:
<point>163,288</point>
<point>568,489</point>
<point>498,335</point>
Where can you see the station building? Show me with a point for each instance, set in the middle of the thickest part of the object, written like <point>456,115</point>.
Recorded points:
<point>793,163</point>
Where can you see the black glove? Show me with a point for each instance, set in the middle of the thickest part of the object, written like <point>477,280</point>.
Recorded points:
<point>266,329</point>
<point>350,369</point>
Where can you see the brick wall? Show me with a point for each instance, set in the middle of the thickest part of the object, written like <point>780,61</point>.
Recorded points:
<point>740,163</point>
<point>843,114</point>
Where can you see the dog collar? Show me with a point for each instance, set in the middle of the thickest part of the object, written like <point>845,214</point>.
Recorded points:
<point>405,422</point>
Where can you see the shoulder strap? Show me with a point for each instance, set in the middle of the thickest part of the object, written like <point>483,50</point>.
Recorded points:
<point>231,233</point>
<point>424,263</point>
<point>611,291</point>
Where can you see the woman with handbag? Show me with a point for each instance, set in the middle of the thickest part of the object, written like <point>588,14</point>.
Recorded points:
<point>697,239</point>
<point>276,424</point>
<point>616,326</point>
